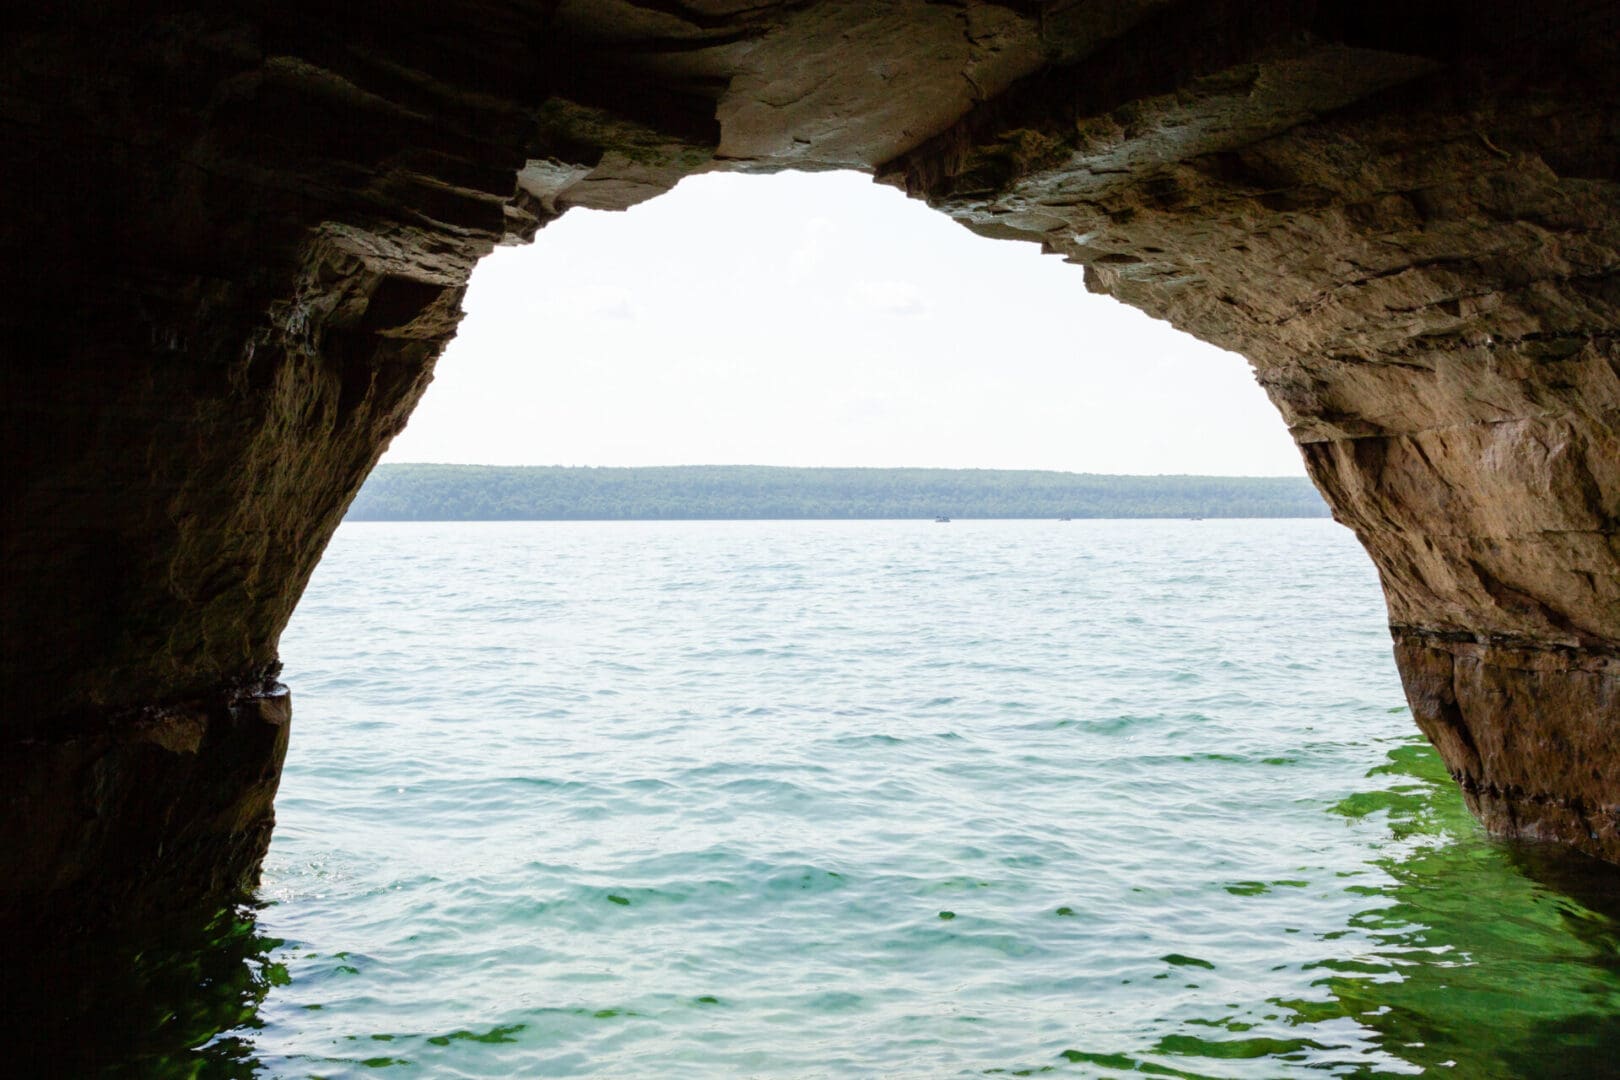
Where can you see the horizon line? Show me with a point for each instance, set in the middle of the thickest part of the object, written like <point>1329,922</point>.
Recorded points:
<point>846,468</point>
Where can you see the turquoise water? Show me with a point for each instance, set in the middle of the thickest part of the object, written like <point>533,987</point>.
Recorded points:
<point>890,799</point>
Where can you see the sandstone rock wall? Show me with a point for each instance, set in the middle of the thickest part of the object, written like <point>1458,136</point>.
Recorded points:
<point>236,236</point>
<point>1419,250</point>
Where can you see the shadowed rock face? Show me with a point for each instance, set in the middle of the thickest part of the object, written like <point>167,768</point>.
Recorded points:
<point>237,236</point>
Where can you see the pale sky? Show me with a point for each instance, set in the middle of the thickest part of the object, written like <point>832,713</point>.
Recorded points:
<point>822,319</point>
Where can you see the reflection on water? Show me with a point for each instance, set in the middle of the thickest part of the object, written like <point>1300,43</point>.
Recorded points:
<point>1486,960</point>
<point>179,1000</point>
<point>1492,959</point>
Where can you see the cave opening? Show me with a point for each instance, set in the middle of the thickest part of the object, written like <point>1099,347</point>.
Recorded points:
<point>238,240</point>
<point>551,718</point>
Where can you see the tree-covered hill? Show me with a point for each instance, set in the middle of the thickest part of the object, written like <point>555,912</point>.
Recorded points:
<point>691,492</point>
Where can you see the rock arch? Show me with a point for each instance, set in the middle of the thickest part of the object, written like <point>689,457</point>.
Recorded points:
<point>236,237</point>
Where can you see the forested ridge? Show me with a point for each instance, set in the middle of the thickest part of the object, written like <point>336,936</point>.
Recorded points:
<point>696,492</point>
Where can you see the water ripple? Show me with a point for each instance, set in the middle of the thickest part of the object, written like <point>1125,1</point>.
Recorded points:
<point>887,799</point>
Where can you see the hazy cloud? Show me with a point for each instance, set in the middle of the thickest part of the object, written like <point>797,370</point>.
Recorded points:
<point>597,302</point>
<point>812,248</point>
<point>887,298</point>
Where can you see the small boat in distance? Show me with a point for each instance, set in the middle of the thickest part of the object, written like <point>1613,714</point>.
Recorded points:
<point>942,519</point>
<point>1065,519</point>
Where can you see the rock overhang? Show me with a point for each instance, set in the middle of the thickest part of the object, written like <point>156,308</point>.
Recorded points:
<point>239,237</point>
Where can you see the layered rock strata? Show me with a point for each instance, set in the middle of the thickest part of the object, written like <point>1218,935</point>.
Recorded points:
<point>236,237</point>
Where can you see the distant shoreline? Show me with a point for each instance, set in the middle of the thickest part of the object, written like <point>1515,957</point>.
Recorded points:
<point>412,492</point>
<point>964,518</point>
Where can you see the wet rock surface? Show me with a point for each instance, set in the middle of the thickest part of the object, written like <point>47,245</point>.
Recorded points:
<point>1515,726</point>
<point>238,235</point>
<point>155,812</point>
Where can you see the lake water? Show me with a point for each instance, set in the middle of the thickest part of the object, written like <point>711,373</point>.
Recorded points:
<point>886,799</point>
